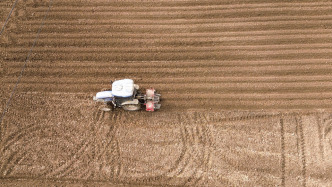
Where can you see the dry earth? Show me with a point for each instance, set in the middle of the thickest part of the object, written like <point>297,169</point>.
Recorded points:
<point>246,88</point>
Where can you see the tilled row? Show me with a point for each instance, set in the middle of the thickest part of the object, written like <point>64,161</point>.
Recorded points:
<point>243,53</point>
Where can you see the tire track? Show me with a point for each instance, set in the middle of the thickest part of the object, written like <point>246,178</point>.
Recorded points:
<point>235,157</point>
<point>68,168</point>
<point>4,167</point>
<point>283,157</point>
<point>176,169</point>
<point>118,168</point>
<point>99,119</point>
<point>98,115</point>
<point>13,159</point>
<point>85,175</point>
<point>102,146</point>
<point>328,131</point>
<point>320,136</point>
<point>64,169</point>
<point>16,162</point>
<point>303,151</point>
<point>208,144</point>
<point>16,136</point>
<point>23,133</point>
<point>181,164</point>
<point>32,134</point>
<point>298,148</point>
<point>249,117</point>
<point>197,141</point>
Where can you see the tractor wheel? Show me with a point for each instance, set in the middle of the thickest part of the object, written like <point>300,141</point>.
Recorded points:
<point>105,109</point>
<point>130,107</point>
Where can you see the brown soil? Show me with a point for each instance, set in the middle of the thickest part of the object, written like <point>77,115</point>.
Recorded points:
<point>246,89</point>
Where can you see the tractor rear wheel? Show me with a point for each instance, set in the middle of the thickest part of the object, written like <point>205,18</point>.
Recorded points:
<point>131,107</point>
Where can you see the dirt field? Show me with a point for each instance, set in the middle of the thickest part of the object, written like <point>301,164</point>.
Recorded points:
<point>246,89</point>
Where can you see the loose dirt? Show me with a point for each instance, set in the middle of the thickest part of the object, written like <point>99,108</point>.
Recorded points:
<point>246,93</point>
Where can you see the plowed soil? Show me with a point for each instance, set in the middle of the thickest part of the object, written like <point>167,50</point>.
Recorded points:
<point>246,93</point>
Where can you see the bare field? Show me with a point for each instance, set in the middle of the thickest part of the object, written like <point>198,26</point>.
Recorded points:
<point>246,89</point>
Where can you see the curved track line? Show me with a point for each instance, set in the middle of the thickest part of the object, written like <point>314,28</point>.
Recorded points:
<point>197,139</point>
<point>102,147</point>
<point>85,175</point>
<point>64,168</point>
<point>10,13</point>
<point>10,167</point>
<point>7,162</point>
<point>51,164</point>
<point>21,133</point>
<point>15,137</point>
<point>175,169</point>
<point>3,169</point>
<point>200,139</point>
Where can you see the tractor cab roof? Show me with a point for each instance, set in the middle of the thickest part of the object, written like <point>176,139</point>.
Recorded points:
<point>123,88</point>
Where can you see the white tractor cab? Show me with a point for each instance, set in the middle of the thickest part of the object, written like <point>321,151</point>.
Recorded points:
<point>125,94</point>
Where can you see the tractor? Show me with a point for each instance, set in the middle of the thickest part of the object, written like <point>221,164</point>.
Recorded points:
<point>125,94</point>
